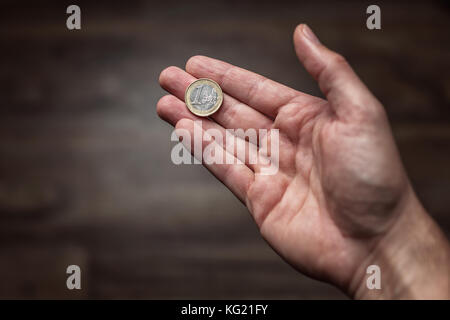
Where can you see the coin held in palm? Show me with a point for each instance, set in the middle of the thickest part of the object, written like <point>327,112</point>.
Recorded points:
<point>203,97</point>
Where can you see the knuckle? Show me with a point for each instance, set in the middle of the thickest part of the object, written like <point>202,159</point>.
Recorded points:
<point>333,69</point>
<point>338,60</point>
<point>231,113</point>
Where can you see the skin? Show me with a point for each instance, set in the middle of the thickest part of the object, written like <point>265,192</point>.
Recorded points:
<point>341,200</point>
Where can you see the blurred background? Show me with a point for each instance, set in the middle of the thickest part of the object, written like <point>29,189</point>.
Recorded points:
<point>85,170</point>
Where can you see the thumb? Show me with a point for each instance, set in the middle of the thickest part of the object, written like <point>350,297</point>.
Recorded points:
<point>346,93</point>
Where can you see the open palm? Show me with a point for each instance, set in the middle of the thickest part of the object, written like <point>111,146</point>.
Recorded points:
<point>340,182</point>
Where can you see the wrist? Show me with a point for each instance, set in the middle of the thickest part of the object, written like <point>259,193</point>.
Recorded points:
<point>413,257</point>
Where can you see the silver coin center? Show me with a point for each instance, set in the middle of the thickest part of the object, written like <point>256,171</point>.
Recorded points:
<point>203,97</point>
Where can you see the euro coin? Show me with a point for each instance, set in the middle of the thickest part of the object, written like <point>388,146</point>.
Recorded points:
<point>203,97</point>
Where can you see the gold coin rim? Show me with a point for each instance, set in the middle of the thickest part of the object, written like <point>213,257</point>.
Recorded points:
<point>216,106</point>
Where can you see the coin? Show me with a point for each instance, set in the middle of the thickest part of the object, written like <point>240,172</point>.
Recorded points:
<point>203,97</point>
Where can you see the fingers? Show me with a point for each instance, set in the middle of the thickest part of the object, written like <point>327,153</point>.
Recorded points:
<point>236,176</point>
<point>256,91</point>
<point>337,80</point>
<point>172,110</point>
<point>232,114</point>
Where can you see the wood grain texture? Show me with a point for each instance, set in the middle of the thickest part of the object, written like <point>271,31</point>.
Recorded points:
<point>85,170</point>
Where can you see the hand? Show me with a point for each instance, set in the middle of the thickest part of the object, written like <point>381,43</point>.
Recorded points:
<point>341,199</point>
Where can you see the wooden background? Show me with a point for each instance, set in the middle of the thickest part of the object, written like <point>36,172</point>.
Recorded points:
<point>85,170</point>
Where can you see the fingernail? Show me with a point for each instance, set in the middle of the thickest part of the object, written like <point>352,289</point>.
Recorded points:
<point>309,34</point>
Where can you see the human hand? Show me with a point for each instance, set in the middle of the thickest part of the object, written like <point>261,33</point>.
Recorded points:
<point>341,199</point>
